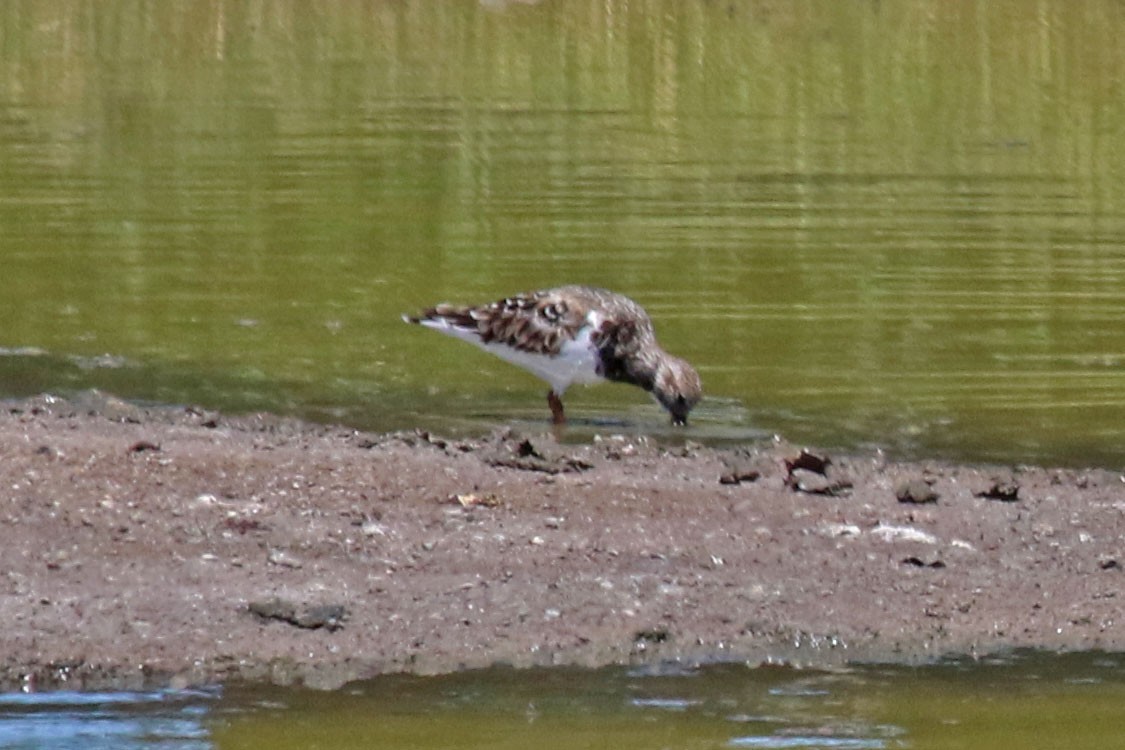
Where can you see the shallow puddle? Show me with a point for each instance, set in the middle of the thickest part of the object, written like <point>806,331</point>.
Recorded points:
<point>1023,701</point>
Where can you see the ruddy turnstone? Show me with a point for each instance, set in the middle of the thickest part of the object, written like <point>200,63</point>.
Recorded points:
<point>574,334</point>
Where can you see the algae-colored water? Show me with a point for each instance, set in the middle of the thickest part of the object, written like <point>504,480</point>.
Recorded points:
<point>893,224</point>
<point>1026,701</point>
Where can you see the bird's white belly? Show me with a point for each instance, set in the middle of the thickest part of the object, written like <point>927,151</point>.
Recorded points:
<point>577,362</point>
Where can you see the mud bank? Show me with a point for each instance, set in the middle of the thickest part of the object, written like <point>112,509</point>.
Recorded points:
<point>176,546</point>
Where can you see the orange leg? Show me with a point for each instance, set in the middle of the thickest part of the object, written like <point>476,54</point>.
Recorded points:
<point>557,414</point>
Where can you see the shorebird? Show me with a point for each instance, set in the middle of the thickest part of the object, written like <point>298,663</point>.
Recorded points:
<point>574,334</point>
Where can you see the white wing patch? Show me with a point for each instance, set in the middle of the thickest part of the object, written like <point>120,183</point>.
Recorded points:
<point>444,326</point>
<point>577,362</point>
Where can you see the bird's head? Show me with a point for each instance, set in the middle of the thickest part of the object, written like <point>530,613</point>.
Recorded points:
<point>677,387</point>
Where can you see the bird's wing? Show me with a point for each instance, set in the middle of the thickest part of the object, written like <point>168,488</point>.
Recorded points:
<point>537,322</point>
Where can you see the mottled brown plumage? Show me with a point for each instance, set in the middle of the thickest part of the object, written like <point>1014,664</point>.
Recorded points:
<point>574,334</point>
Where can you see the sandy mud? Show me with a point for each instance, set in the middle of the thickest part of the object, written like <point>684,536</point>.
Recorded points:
<point>176,546</point>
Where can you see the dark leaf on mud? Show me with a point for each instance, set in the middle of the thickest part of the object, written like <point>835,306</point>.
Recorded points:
<point>737,476</point>
<point>1005,492</point>
<point>920,563</point>
<point>808,462</point>
<point>527,448</point>
<point>1108,563</point>
<point>143,445</point>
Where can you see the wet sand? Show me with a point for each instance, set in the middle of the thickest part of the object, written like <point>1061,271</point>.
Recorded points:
<point>170,546</point>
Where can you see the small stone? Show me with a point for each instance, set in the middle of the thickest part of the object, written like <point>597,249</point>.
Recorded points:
<point>743,465</point>
<point>273,608</point>
<point>474,500</point>
<point>330,616</point>
<point>838,530</point>
<point>892,533</point>
<point>1004,491</point>
<point>306,616</point>
<point>282,558</point>
<point>916,491</point>
<point>373,528</point>
<point>804,480</point>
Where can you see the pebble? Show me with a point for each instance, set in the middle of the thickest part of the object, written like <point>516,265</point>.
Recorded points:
<point>282,558</point>
<point>916,491</point>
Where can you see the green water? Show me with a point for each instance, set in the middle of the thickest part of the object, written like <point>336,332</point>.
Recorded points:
<point>1048,703</point>
<point>893,224</point>
<point>1024,701</point>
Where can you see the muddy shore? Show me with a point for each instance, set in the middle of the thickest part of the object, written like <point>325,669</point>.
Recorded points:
<point>176,546</point>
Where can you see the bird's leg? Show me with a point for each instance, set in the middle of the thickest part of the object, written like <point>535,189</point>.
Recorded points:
<point>558,416</point>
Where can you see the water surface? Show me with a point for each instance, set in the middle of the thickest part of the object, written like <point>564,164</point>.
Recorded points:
<point>125,720</point>
<point>891,224</point>
<point>1022,700</point>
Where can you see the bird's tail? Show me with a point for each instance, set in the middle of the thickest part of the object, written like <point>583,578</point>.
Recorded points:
<point>446,318</point>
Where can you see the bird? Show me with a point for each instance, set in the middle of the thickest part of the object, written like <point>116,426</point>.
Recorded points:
<point>573,334</point>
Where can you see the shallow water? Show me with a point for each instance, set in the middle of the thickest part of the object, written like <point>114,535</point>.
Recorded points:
<point>165,719</point>
<point>891,224</point>
<point>1026,701</point>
